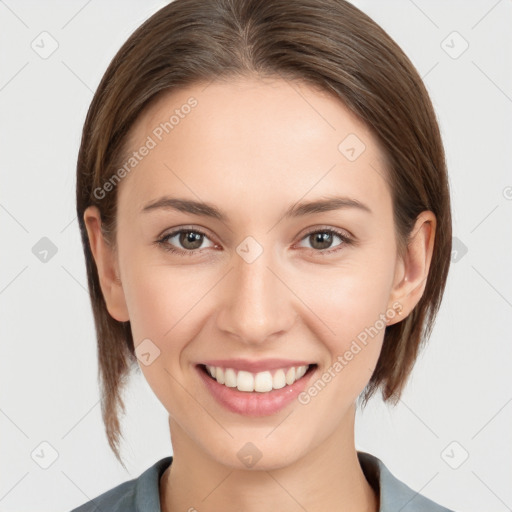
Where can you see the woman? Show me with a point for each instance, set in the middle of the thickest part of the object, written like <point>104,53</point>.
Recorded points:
<point>264,208</point>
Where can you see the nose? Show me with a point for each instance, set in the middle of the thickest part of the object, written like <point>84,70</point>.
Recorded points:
<point>257,303</point>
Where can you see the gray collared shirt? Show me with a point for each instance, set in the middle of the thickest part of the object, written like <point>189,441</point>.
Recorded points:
<point>142,494</point>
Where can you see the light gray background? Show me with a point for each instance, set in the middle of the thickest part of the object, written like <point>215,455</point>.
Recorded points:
<point>459,400</point>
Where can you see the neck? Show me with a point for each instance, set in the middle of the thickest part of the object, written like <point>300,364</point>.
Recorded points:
<point>329,477</point>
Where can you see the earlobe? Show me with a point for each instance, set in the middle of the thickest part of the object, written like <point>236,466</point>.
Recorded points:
<point>412,270</point>
<point>107,265</point>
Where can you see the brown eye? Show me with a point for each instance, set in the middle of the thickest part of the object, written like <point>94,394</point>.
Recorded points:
<point>190,239</point>
<point>184,241</point>
<point>321,241</point>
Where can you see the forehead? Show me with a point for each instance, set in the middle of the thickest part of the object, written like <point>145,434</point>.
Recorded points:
<point>270,102</point>
<point>262,134</point>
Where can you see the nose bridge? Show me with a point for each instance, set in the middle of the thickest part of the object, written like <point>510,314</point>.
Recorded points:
<point>255,305</point>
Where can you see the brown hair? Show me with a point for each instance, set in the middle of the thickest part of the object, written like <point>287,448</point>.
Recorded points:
<point>328,44</point>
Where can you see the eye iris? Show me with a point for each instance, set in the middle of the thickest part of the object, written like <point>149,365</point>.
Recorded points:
<point>324,240</point>
<point>192,238</point>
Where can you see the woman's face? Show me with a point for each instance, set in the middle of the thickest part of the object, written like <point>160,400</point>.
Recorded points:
<point>258,274</point>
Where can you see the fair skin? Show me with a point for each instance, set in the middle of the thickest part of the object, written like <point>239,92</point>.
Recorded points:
<point>253,148</point>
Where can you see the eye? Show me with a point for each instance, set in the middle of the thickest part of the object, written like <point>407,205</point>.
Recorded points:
<point>321,240</point>
<point>189,239</point>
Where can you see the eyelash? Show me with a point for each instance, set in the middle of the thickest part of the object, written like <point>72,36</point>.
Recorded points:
<point>163,242</point>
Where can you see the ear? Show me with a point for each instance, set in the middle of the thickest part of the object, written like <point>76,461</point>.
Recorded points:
<point>107,265</point>
<point>411,271</point>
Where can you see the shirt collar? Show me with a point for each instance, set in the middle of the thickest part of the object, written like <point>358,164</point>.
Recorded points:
<point>393,494</point>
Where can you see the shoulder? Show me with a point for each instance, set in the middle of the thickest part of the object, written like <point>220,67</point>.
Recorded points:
<point>142,494</point>
<point>116,499</point>
<point>394,494</point>
<point>136,495</point>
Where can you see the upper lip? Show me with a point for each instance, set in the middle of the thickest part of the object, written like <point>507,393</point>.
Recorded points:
<point>255,366</point>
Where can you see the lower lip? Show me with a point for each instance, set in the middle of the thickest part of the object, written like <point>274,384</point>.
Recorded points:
<point>254,403</point>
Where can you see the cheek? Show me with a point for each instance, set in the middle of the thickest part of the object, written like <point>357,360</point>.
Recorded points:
<point>353,352</point>
<point>166,305</point>
<point>348,299</point>
<point>348,314</point>
<point>165,308</point>
<point>161,303</point>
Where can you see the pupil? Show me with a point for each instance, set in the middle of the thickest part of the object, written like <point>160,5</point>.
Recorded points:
<point>191,240</point>
<point>324,240</point>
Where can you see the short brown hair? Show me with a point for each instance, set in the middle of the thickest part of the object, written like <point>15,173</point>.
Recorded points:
<point>328,44</point>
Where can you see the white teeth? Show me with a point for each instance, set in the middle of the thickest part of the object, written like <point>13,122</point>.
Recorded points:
<point>230,378</point>
<point>261,382</point>
<point>245,381</point>
<point>301,370</point>
<point>279,380</point>
<point>290,376</point>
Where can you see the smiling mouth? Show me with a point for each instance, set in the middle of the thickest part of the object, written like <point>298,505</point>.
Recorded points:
<point>260,382</point>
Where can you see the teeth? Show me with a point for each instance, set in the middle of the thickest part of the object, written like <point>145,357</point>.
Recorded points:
<point>261,382</point>
<point>230,378</point>
<point>279,380</point>
<point>245,381</point>
<point>301,370</point>
<point>290,376</point>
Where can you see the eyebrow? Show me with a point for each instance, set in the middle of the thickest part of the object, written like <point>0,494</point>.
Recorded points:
<point>296,210</point>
